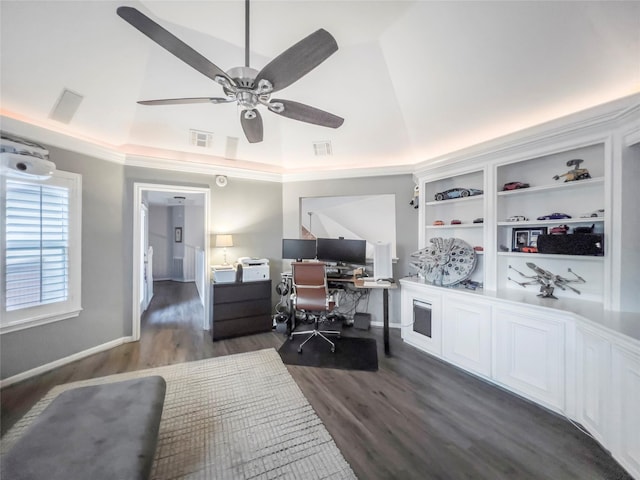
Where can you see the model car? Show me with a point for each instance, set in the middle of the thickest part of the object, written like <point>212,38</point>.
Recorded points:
<point>479,220</point>
<point>457,193</point>
<point>554,216</point>
<point>515,186</point>
<point>455,222</point>
<point>438,223</point>
<point>595,213</point>
<point>575,174</point>
<point>559,230</point>
<point>517,218</point>
<point>529,249</point>
<point>478,248</point>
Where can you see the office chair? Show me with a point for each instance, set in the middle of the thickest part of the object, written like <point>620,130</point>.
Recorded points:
<point>310,294</point>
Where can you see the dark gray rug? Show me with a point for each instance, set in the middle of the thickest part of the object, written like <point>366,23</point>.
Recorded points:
<point>352,353</point>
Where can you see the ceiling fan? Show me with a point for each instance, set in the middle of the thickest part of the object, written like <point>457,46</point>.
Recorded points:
<point>245,85</point>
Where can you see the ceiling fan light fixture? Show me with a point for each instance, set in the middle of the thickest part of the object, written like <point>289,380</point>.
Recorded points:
<point>250,114</point>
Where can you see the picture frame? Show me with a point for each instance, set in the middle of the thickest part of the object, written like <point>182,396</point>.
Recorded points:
<point>178,235</point>
<point>526,237</point>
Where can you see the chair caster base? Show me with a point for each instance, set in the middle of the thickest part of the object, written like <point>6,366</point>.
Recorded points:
<point>333,349</point>
<point>299,349</point>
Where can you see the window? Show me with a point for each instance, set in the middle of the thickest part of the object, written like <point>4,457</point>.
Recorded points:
<point>40,250</point>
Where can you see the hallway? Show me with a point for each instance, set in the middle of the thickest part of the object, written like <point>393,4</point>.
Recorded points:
<point>171,328</point>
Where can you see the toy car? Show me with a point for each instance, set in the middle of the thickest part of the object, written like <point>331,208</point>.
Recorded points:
<point>514,186</point>
<point>457,193</point>
<point>554,216</point>
<point>559,230</point>
<point>575,174</point>
<point>595,213</point>
<point>517,218</point>
<point>438,223</point>
<point>479,220</point>
<point>478,248</point>
<point>529,249</point>
<point>455,222</point>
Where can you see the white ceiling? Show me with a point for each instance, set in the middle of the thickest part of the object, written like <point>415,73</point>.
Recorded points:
<point>414,80</point>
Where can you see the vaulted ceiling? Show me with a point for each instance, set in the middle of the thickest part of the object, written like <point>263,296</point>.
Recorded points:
<point>413,79</point>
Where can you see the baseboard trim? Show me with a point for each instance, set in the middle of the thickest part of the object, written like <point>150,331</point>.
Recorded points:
<point>64,361</point>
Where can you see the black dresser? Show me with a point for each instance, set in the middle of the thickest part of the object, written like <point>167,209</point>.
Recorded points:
<point>240,308</point>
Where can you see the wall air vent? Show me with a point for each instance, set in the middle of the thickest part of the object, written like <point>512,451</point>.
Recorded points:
<point>200,138</point>
<point>322,149</point>
<point>66,106</point>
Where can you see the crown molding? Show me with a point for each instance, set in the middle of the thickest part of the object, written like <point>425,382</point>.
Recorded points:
<point>200,168</point>
<point>347,173</point>
<point>39,134</point>
<point>585,122</point>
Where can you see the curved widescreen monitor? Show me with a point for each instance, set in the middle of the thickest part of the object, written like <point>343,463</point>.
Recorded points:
<point>298,249</point>
<point>342,250</point>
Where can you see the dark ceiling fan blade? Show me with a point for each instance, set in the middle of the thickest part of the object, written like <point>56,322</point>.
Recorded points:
<point>298,60</point>
<point>252,127</point>
<point>170,42</point>
<point>184,101</point>
<point>305,113</point>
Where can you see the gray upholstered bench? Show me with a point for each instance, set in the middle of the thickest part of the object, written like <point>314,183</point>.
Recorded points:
<point>97,432</point>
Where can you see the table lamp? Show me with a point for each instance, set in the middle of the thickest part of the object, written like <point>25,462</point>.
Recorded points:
<point>224,241</point>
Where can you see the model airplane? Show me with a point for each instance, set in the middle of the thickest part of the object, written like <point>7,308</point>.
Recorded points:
<point>548,280</point>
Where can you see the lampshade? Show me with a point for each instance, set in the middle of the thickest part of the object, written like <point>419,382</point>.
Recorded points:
<point>224,240</point>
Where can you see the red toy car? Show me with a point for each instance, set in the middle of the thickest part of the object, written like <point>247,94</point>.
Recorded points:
<point>438,223</point>
<point>559,230</point>
<point>514,186</point>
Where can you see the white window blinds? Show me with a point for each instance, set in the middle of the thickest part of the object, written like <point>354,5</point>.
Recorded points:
<point>37,244</point>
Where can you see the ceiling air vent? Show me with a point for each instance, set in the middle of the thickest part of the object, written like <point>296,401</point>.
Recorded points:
<point>322,149</point>
<point>66,106</point>
<point>200,138</point>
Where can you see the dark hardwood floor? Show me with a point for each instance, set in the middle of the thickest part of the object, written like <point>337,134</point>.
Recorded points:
<point>416,417</point>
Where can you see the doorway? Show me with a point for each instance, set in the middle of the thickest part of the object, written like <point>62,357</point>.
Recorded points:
<point>181,238</point>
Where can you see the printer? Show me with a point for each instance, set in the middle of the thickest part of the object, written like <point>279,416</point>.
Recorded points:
<point>223,273</point>
<point>254,269</point>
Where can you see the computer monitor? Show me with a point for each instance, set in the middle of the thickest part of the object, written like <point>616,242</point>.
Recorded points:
<point>342,250</point>
<point>298,249</point>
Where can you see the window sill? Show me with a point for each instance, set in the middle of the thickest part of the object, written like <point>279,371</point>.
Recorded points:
<point>37,321</point>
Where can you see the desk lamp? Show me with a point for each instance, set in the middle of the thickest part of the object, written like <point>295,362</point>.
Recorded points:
<point>224,241</point>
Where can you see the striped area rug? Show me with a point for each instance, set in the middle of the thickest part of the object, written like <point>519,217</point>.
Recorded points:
<point>234,417</point>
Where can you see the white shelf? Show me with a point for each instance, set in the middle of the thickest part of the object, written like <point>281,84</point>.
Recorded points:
<point>454,200</point>
<point>551,222</point>
<point>449,227</point>
<point>595,258</point>
<point>558,186</point>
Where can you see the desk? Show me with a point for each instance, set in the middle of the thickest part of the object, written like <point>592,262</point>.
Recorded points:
<point>359,283</point>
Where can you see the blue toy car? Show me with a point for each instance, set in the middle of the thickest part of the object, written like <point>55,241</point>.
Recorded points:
<point>457,193</point>
<point>554,216</point>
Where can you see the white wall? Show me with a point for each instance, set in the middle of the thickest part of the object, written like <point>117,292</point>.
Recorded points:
<point>160,238</point>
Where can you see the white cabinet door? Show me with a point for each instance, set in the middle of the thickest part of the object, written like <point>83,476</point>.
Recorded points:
<point>593,375</point>
<point>626,408</point>
<point>466,335</point>
<point>529,355</point>
<point>422,319</point>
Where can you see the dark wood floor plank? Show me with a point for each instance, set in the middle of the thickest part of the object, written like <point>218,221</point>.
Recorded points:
<point>416,418</point>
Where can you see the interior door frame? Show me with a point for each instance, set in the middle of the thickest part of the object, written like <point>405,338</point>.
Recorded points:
<point>138,191</point>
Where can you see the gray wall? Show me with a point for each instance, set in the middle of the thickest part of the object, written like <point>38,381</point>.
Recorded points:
<point>251,210</point>
<point>104,304</point>
<point>256,213</point>
<point>630,300</point>
<point>406,222</point>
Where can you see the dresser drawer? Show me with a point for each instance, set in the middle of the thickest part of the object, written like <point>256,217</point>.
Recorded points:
<point>227,311</point>
<point>240,292</point>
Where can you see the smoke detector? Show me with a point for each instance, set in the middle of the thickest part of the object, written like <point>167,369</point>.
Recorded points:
<point>221,181</point>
